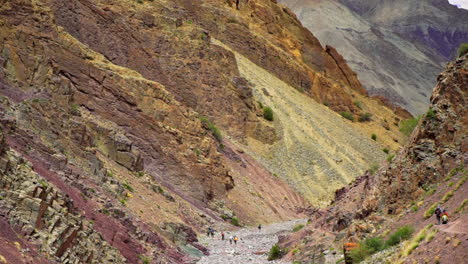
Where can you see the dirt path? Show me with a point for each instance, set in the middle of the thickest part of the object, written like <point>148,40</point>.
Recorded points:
<point>253,247</point>
<point>459,226</point>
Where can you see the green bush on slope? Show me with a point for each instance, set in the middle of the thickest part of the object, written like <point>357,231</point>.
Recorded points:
<point>463,49</point>
<point>268,113</point>
<point>407,126</point>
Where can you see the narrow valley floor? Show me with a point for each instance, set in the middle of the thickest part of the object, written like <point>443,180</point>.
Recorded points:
<point>252,248</point>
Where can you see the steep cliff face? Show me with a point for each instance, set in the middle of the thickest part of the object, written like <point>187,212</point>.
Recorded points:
<point>393,46</point>
<point>406,189</point>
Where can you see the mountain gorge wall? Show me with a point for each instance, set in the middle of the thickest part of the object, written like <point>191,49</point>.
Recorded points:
<point>394,46</point>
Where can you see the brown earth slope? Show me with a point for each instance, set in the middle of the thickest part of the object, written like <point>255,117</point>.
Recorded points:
<point>430,170</point>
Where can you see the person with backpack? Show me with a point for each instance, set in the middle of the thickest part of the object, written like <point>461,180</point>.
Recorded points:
<point>235,239</point>
<point>230,240</point>
<point>222,235</point>
<point>444,217</point>
<point>438,213</point>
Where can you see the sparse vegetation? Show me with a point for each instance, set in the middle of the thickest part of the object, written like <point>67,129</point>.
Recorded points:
<point>386,150</point>
<point>447,196</point>
<point>407,126</point>
<point>268,113</point>
<point>461,208</point>
<point>461,182</point>
<point>390,158</point>
<point>144,259</point>
<point>359,254</point>
<point>235,221</point>
<point>276,252</point>
<point>358,104</point>
<point>374,244</point>
<point>297,227</point>
<point>429,212</point>
<point>43,184</point>
<point>347,115</point>
<point>431,114</point>
<point>463,49</point>
<point>373,169</point>
<point>374,137</point>
<point>365,117</point>
<point>453,172</point>
<point>74,110</point>
<point>127,187</point>
<point>402,233</point>
<point>214,129</point>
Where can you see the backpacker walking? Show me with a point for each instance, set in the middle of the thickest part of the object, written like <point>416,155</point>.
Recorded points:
<point>444,217</point>
<point>438,213</point>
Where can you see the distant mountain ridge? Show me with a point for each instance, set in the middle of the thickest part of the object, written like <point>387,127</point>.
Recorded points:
<point>396,47</point>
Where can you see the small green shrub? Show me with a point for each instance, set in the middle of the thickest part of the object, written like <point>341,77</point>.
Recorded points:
<point>374,137</point>
<point>431,114</point>
<point>214,130</point>
<point>453,172</point>
<point>347,115</point>
<point>447,196</point>
<point>268,113</point>
<point>390,158</point>
<point>373,169</point>
<point>429,212</point>
<point>74,110</point>
<point>461,208</point>
<point>360,253</point>
<point>407,126</point>
<point>144,259</point>
<point>235,221</point>
<point>276,252</point>
<point>402,233</point>
<point>374,244</point>
<point>43,184</point>
<point>297,227</point>
<point>461,181</point>
<point>463,49</point>
<point>358,104</point>
<point>386,150</point>
<point>127,187</point>
<point>365,117</point>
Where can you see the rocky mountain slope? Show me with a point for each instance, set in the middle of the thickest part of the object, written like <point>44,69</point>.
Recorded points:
<point>127,127</point>
<point>392,45</point>
<point>430,170</point>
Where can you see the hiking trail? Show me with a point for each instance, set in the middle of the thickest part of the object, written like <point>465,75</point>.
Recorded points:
<point>252,248</point>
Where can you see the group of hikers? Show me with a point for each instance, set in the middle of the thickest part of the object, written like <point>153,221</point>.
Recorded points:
<point>233,238</point>
<point>441,215</point>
